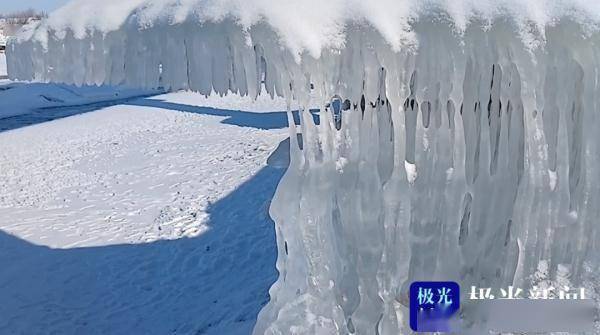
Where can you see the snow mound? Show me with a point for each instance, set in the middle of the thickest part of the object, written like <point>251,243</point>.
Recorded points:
<point>19,98</point>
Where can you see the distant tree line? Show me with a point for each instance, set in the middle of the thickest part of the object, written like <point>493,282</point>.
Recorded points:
<point>23,17</point>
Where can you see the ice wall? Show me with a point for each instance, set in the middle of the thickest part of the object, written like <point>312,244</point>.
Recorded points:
<point>456,140</point>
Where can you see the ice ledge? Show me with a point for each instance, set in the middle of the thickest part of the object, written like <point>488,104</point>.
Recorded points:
<point>315,25</point>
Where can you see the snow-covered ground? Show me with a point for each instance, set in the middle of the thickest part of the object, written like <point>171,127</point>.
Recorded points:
<point>3,71</point>
<point>20,98</point>
<point>148,217</point>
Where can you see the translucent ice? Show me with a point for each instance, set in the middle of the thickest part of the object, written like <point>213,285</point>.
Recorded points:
<point>457,140</point>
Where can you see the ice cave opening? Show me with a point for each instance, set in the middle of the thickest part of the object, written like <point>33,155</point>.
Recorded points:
<point>456,141</point>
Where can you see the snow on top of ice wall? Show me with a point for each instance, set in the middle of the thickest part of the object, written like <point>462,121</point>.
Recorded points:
<point>313,25</point>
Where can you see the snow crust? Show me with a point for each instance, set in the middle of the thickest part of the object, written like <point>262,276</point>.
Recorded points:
<point>465,148</point>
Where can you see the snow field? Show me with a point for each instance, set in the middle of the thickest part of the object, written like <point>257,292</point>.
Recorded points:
<point>138,218</point>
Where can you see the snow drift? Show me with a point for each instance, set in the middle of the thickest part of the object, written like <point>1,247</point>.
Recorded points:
<point>457,140</point>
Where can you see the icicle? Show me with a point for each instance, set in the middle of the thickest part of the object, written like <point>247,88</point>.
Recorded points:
<point>470,157</point>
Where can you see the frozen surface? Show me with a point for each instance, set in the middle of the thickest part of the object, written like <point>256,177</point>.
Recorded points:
<point>150,217</point>
<point>465,148</point>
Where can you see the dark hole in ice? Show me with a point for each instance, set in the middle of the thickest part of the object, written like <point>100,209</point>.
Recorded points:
<point>336,107</point>
<point>426,113</point>
<point>347,105</point>
<point>363,104</point>
<point>507,237</point>
<point>263,70</point>
<point>489,110</point>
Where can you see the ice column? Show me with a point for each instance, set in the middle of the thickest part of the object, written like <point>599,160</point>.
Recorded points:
<point>471,156</point>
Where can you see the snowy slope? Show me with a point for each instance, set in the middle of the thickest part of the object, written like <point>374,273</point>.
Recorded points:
<point>144,218</point>
<point>17,98</point>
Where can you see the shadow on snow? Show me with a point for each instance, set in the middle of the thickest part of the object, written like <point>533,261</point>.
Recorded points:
<point>215,283</point>
<point>268,120</point>
<point>186,286</point>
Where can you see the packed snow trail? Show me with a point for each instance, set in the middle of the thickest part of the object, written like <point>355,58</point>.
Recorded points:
<point>145,218</point>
